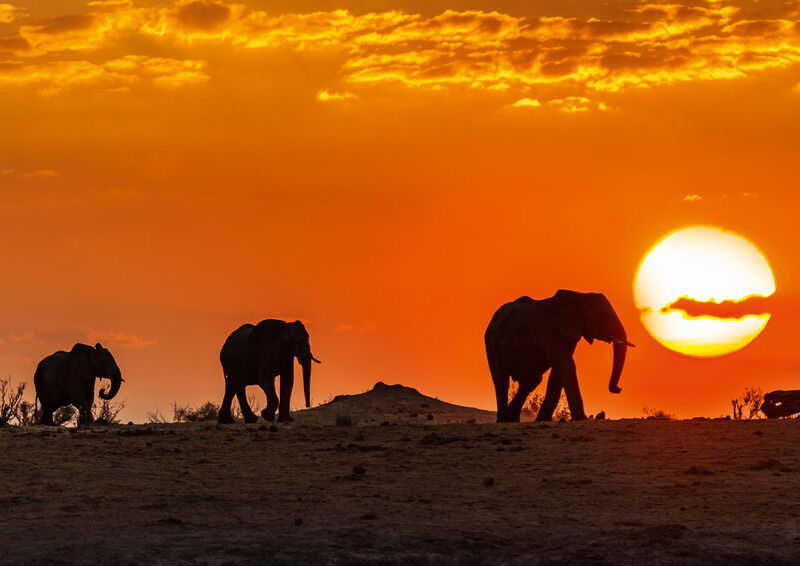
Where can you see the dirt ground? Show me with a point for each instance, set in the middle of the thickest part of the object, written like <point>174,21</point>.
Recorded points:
<point>606,492</point>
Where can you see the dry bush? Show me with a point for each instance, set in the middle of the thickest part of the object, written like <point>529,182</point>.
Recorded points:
<point>534,402</point>
<point>10,399</point>
<point>26,413</point>
<point>186,414</point>
<point>107,412</point>
<point>657,414</point>
<point>156,417</point>
<point>751,399</point>
<point>255,406</point>
<point>66,415</point>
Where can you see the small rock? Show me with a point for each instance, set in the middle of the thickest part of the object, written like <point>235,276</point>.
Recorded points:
<point>273,428</point>
<point>360,437</point>
<point>177,451</point>
<point>488,482</point>
<point>298,521</point>
<point>430,416</point>
<point>601,416</point>
<point>385,423</point>
<point>359,470</point>
<point>130,423</point>
<point>368,516</point>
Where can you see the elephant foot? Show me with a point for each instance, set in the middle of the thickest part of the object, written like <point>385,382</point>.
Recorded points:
<point>268,415</point>
<point>250,419</point>
<point>225,418</point>
<point>579,417</point>
<point>285,419</point>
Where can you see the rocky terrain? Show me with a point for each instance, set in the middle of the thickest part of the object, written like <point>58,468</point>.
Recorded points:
<point>391,488</point>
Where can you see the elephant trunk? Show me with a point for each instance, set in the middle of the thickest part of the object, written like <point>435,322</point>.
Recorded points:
<point>116,381</point>
<point>306,364</point>
<point>620,349</point>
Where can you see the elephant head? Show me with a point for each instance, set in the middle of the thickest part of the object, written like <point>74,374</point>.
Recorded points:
<point>284,342</point>
<point>102,364</point>
<point>590,316</point>
<point>301,349</point>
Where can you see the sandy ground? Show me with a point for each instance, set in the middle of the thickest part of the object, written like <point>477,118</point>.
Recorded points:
<point>607,492</point>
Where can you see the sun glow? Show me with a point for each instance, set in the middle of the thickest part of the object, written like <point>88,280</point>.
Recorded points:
<point>705,268</point>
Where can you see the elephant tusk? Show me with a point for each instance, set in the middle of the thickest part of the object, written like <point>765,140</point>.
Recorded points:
<point>618,341</point>
<point>313,359</point>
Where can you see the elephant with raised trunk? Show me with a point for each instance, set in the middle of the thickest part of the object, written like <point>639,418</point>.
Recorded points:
<point>256,355</point>
<point>67,378</point>
<point>527,337</point>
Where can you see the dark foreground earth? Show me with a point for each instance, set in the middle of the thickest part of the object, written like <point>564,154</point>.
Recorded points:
<point>606,492</point>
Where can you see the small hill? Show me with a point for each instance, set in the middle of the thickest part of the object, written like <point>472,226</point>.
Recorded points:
<point>394,404</point>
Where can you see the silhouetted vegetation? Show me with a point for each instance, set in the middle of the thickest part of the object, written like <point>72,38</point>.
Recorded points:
<point>750,399</point>
<point>255,406</point>
<point>657,414</point>
<point>187,414</point>
<point>26,413</point>
<point>534,402</point>
<point>107,412</point>
<point>10,399</point>
<point>65,415</point>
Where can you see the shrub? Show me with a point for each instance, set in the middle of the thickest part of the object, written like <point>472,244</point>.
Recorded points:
<point>10,399</point>
<point>751,399</point>
<point>187,414</point>
<point>657,414</point>
<point>107,412</point>
<point>26,413</point>
<point>156,417</point>
<point>65,415</point>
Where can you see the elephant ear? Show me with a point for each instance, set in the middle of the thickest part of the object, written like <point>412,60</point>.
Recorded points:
<point>80,364</point>
<point>272,338</point>
<point>566,321</point>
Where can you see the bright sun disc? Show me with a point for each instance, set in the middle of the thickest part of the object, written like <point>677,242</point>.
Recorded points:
<point>703,267</point>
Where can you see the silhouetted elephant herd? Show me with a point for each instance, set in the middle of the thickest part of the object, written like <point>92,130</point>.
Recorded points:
<point>524,339</point>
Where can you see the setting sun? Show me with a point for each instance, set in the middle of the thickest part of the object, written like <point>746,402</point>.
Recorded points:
<point>688,284</point>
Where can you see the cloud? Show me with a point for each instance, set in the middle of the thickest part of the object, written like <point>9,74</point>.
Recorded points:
<point>325,96</point>
<point>753,305</point>
<point>692,198</point>
<point>368,326</point>
<point>527,103</point>
<point>42,174</point>
<point>65,337</point>
<point>55,76</point>
<point>9,13</point>
<point>649,45</point>
<point>202,15</point>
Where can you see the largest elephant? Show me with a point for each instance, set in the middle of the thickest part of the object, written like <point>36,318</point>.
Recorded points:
<point>527,337</point>
<point>256,355</point>
<point>67,378</point>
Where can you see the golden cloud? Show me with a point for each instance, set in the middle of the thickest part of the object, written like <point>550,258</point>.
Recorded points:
<point>650,45</point>
<point>9,13</point>
<point>54,76</point>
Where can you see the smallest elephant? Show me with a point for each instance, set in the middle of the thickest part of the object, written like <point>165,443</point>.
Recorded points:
<point>67,378</point>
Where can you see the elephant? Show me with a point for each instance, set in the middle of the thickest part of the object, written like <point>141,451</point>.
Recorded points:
<point>255,355</point>
<point>67,378</point>
<point>527,337</point>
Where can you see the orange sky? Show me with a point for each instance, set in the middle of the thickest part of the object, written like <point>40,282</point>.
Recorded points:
<point>389,172</point>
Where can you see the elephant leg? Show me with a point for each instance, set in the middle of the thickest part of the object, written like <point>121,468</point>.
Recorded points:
<point>224,416</point>
<point>569,379</point>
<point>551,397</point>
<point>85,416</point>
<point>526,385</point>
<point>268,385</point>
<point>46,416</point>
<point>287,383</point>
<point>247,412</point>
<point>500,379</point>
